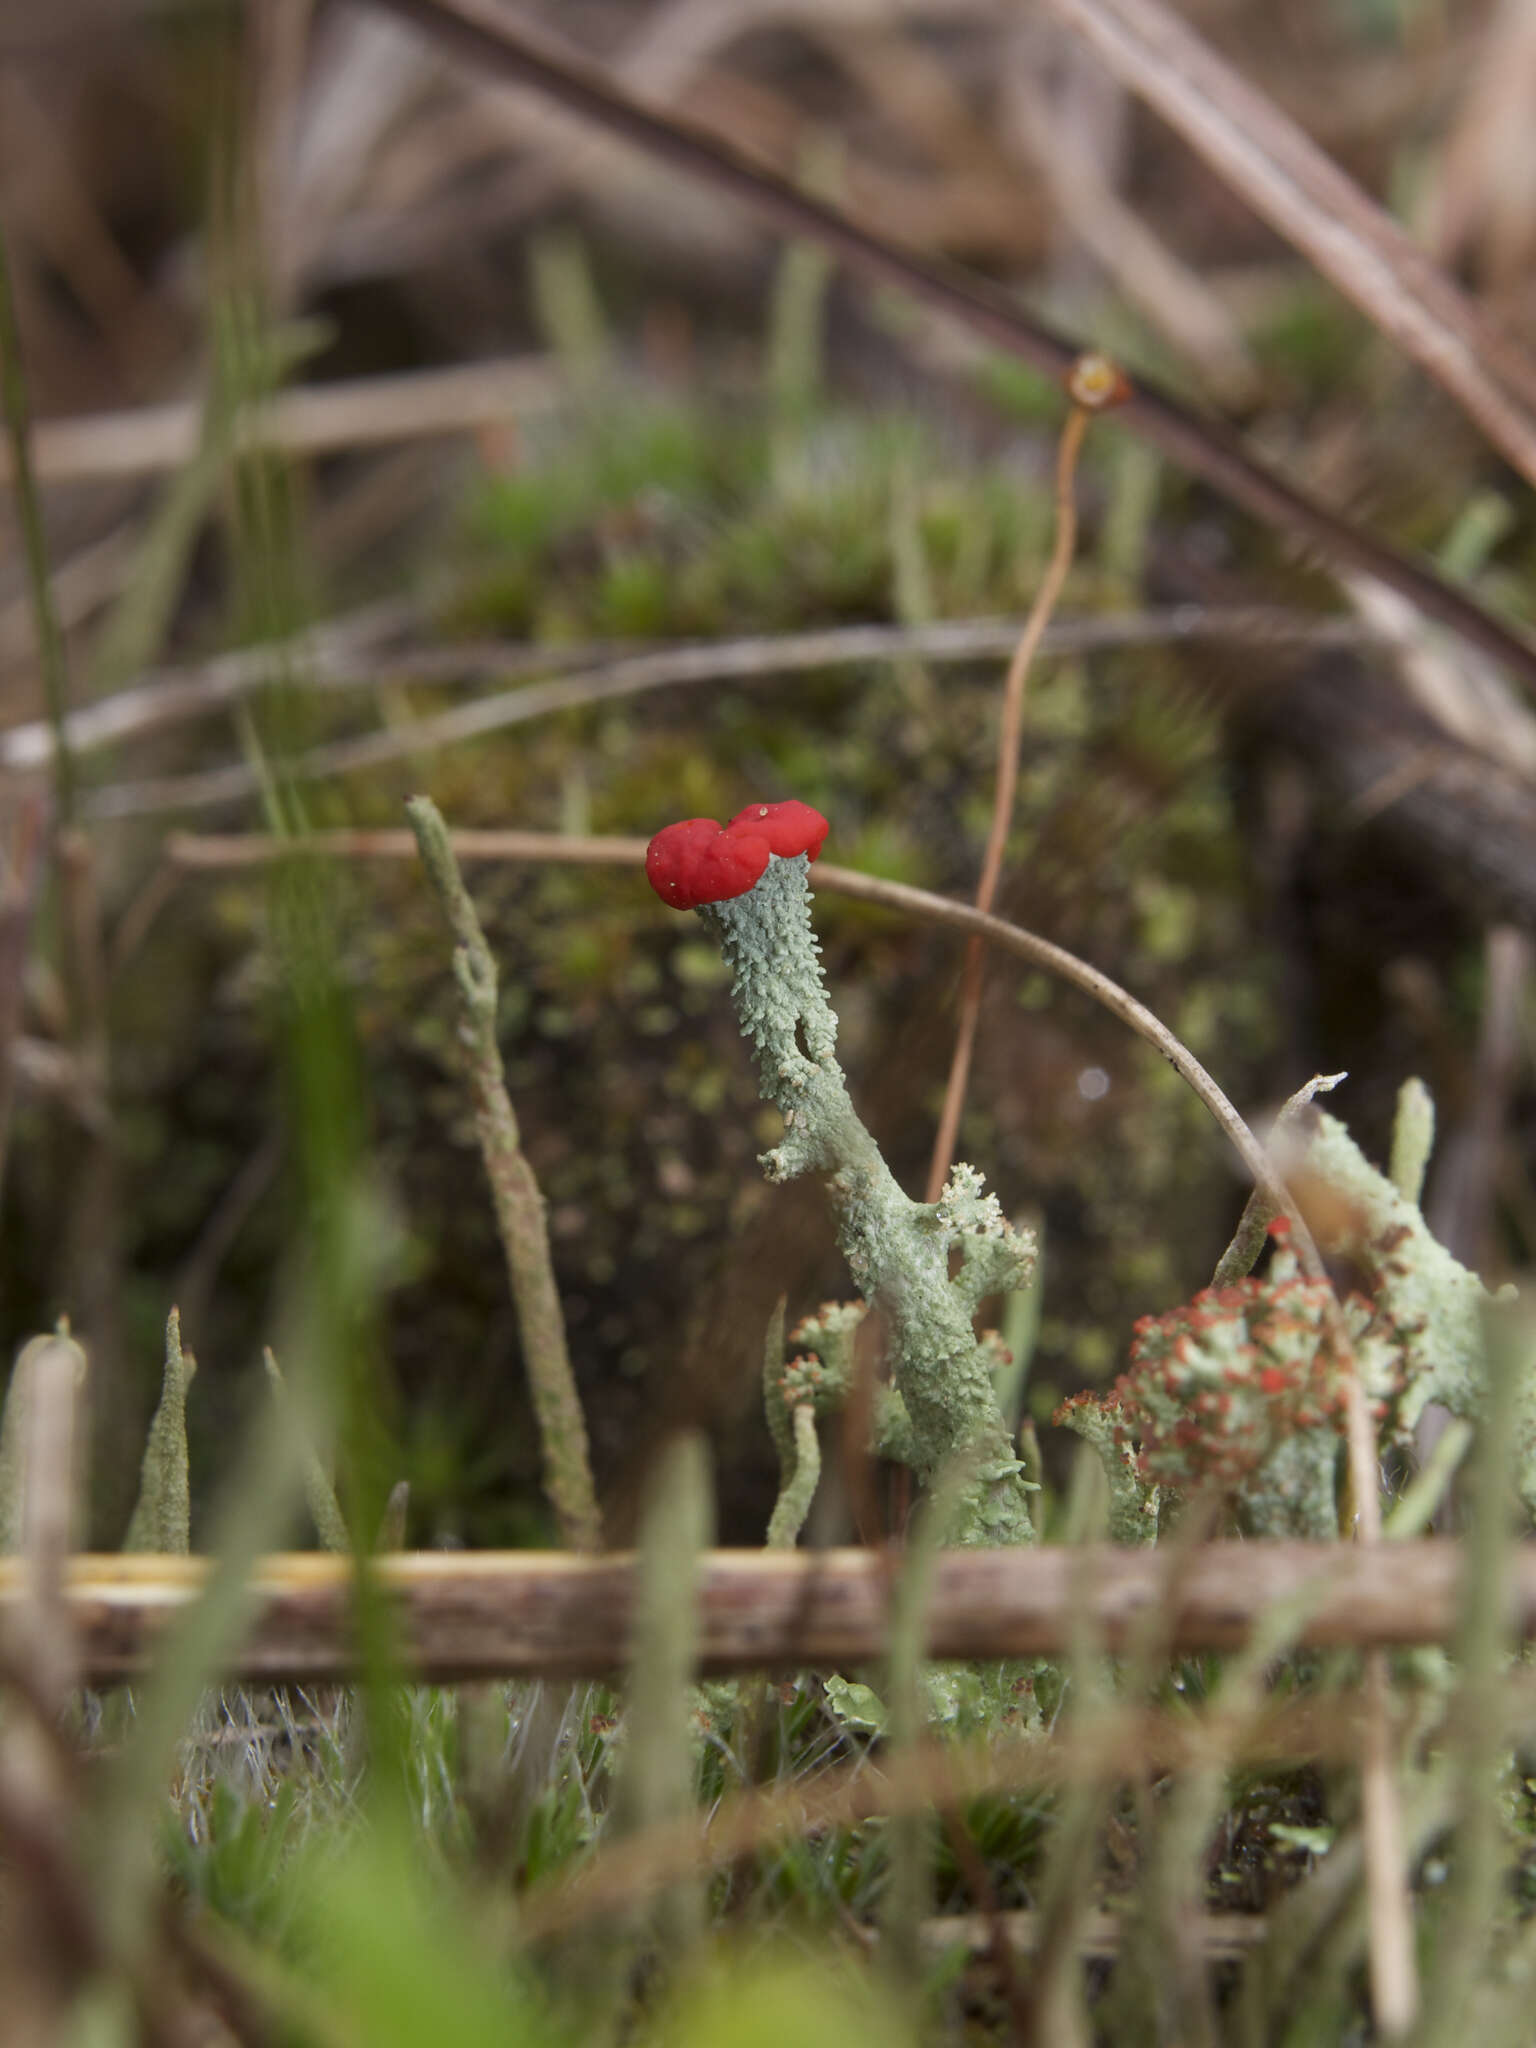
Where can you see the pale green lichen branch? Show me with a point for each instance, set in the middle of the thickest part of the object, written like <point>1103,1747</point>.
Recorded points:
<point>798,1485</point>
<point>518,1200</point>
<point>1413,1139</point>
<point>1247,1387</point>
<point>13,1429</point>
<point>899,1250</point>
<point>162,1515</point>
<point>1261,1209</point>
<point>319,1494</point>
<point>1133,1500</point>
<point>1435,1308</point>
<point>816,1384</point>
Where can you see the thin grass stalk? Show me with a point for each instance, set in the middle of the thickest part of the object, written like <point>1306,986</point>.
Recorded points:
<point>1005,787</point>
<point>52,663</point>
<point>656,1786</point>
<point>1058,2016</point>
<point>908,1896</point>
<point>319,1494</point>
<point>1420,1500</point>
<point>1473,1909</point>
<point>49,1924</point>
<point>1393,1965</point>
<point>519,1203</point>
<point>1157,1979</point>
<point>20,872</point>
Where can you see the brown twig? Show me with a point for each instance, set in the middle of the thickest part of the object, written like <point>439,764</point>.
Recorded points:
<point>1009,734</point>
<point>363,412</point>
<point>486,37</point>
<point>361,652</point>
<point>528,1613</point>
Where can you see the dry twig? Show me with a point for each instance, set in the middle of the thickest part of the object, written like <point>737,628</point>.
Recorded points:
<point>1009,734</point>
<point>524,1613</point>
<point>363,651</point>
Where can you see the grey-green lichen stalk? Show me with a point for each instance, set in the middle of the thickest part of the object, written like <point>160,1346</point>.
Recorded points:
<point>899,1251</point>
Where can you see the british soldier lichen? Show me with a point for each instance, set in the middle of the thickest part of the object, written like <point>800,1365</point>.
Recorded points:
<point>898,1250</point>
<point>1242,1389</point>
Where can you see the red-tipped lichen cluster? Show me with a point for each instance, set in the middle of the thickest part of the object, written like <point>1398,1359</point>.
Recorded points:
<point>822,1371</point>
<point>1215,1387</point>
<point>805,1378</point>
<point>699,861</point>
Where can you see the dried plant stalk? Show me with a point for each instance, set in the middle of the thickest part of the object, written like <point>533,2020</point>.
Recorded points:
<point>1010,731</point>
<point>499,46</point>
<point>1261,153</point>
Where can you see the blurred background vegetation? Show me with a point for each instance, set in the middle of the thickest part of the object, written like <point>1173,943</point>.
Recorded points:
<point>549,403</point>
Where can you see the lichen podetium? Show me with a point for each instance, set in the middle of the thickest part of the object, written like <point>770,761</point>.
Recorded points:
<point>899,1250</point>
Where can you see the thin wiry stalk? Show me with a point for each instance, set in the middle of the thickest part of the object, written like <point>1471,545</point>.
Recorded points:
<point>175,696</point>
<point>29,512</point>
<point>1473,1909</point>
<point>1009,733</point>
<point>657,1780</point>
<point>319,1494</point>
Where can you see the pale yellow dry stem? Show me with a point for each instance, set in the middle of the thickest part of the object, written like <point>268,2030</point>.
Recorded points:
<point>1010,730</point>
<point>1393,1968</point>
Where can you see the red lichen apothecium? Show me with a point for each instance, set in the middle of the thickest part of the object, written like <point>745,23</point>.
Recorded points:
<point>700,861</point>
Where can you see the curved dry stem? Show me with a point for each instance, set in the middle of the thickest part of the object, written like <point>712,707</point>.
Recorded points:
<point>207,853</point>
<point>1013,938</point>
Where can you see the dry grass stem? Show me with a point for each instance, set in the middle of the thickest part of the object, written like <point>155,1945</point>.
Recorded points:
<point>1261,153</point>
<point>486,38</point>
<point>20,875</point>
<point>363,652</point>
<point>16,411</point>
<point>362,413</point>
